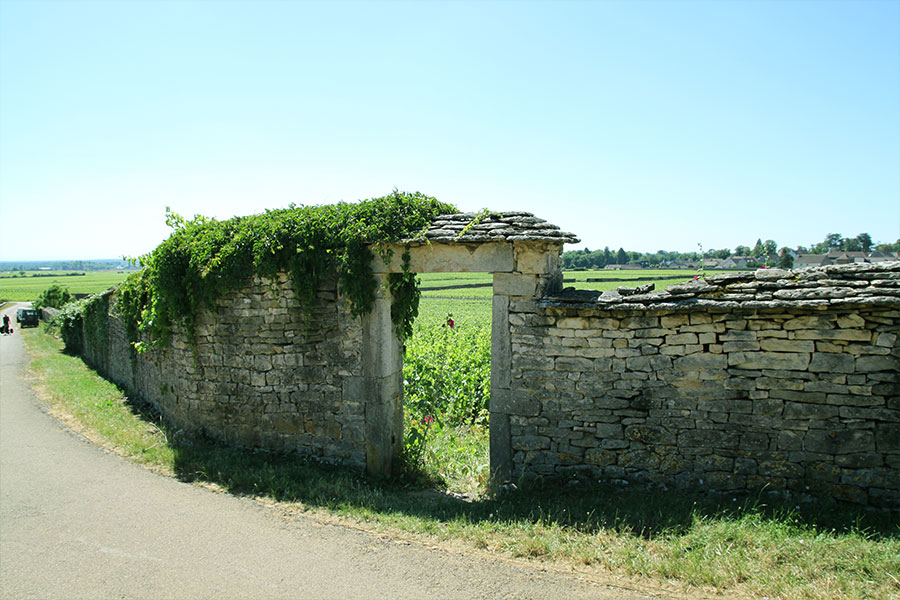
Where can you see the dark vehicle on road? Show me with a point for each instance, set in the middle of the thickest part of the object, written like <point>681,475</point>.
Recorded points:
<point>28,317</point>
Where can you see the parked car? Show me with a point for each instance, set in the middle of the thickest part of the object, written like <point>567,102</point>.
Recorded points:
<point>28,317</point>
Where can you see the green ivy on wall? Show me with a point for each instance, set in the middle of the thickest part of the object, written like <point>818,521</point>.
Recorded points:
<point>84,323</point>
<point>205,258</point>
<point>96,326</point>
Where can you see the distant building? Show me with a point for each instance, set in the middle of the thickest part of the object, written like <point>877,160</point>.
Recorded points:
<point>845,258</point>
<point>809,260</point>
<point>735,262</point>
<point>877,256</point>
<point>841,258</point>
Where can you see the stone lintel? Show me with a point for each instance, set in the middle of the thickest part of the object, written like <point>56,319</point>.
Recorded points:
<point>436,257</point>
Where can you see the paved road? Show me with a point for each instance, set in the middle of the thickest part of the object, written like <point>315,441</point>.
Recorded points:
<point>79,522</point>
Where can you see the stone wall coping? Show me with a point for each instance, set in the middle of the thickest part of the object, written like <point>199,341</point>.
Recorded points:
<point>510,226</point>
<point>833,285</point>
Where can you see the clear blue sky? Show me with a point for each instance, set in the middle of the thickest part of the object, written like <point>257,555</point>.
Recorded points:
<point>647,125</point>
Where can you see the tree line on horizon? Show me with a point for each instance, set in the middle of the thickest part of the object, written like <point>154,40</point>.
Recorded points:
<point>763,253</point>
<point>64,265</point>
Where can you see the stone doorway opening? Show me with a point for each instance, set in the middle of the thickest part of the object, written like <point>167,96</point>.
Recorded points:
<point>521,255</point>
<point>447,382</point>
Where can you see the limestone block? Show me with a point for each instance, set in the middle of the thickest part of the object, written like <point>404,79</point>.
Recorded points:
<point>738,336</point>
<point>808,410</point>
<point>573,323</point>
<point>740,346</point>
<point>831,363</point>
<point>809,322</point>
<point>530,442</point>
<point>674,321</point>
<point>726,404</point>
<point>867,478</point>
<point>701,360</point>
<point>648,363</point>
<point>598,353</point>
<point>868,364</point>
<point>535,259</point>
<point>700,438</point>
<point>789,440</point>
<point>780,345</point>
<point>772,274</point>
<point>714,462</point>
<point>827,386</point>
<point>886,340</point>
<point>673,350</point>
<point>704,328</point>
<point>625,352</point>
<point>514,284</point>
<point>680,339</point>
<point>653,334</point>
<point>610,431</point>
<point>605,323</point>
<point>707,338</point>
<point>773,333</point>
<point>858,461</point>
<point>850,321</point>
<point>778,465</point>
<point>600,457</point>
<point>647,434</point>
<point>887,438</point>
<point>769,360</point>
<point>846,441</point>
<point>436,257</point>
<point>642,322</point>
<point>571,363</point>
<point>798,396</point>
<point>847,335</point>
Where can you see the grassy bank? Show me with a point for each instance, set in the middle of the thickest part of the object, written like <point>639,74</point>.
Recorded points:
<point>740,547</point>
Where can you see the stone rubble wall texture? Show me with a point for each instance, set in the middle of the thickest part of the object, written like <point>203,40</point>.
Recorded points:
<point>786,380</point>
<point>260,374</point>
<point>775,379</point>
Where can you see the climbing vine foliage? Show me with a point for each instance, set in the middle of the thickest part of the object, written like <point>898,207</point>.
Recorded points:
<point>205,258</point>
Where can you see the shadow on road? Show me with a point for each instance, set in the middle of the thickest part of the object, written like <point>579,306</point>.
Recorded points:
<point>579,504</point>
<point>585,506</point>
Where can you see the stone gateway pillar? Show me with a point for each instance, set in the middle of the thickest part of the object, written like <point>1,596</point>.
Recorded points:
<point>523,254</point>
<point>382,385</point>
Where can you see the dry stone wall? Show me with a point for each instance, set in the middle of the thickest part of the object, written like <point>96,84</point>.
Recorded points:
<point>736,382</point>
<point>259,372</point>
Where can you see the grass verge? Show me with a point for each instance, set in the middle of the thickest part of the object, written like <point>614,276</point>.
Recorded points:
<point>700,546</point>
